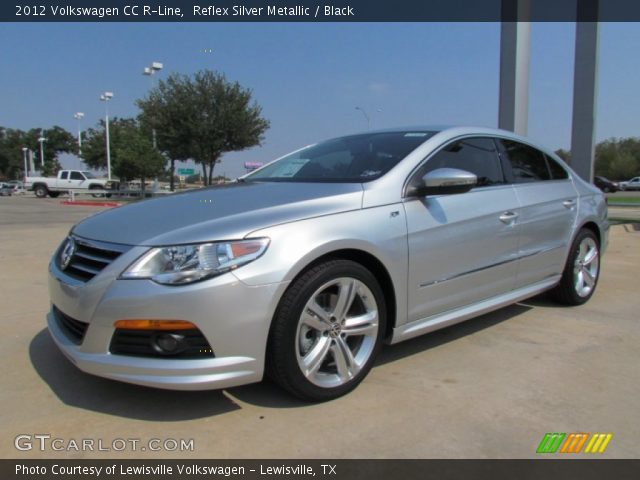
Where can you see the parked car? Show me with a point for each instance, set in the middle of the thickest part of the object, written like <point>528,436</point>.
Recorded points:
<point>606,185</point>
<point>6,190</point>
<point>633,184</point>
<point>17,185</point>
<point>306,266</point>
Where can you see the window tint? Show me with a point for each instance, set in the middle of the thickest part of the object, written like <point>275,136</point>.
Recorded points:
<point>557,172</point>
<point>64,175</point>
<point>76,176</point>
<point>527,163</point>
<point>475,155</point>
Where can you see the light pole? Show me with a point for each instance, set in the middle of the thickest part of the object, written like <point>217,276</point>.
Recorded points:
<point>78,116</point>
<point>366,115</point>
<point>26,169</point>
<point>105,97</point>
<point>150,72</point>
<point>41,140</point>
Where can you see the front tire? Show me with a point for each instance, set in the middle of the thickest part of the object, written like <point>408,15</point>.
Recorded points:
<point>96,187</point>
<point>327,331</point>
<point>581,272</point>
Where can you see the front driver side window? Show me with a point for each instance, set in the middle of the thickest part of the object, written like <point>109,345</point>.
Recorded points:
<point>475,155</point>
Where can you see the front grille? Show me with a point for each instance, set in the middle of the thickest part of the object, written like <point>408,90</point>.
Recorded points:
<point>74,329</point>
<point>90,258</point>
<point>143,343</point>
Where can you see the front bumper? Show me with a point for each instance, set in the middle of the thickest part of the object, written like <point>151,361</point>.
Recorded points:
<point>233,316</point>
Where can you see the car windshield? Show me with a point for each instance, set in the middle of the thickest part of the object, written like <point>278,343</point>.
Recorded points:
<point>356,158</point>
<point>88,175</point>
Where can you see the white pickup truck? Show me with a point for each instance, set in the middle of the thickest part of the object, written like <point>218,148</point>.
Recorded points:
<point>67,181</point>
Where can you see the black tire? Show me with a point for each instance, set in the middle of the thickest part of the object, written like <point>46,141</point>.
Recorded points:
<point>41,191</point>
<point>54,194</point>
<point>96,187</point>
<point>567,291</point>
<point>287,335</point>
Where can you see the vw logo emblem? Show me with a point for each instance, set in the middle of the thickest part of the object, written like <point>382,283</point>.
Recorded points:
<point>67,253</point>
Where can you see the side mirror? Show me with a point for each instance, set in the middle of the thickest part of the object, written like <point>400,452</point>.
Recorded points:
<point>442,181</point>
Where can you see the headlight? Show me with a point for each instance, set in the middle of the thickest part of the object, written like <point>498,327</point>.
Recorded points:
<point>183,264</point>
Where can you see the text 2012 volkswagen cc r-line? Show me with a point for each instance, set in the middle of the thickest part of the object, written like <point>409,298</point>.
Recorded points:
<point>305,267</point>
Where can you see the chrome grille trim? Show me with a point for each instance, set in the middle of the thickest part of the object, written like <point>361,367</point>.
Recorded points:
<point>90,258</point>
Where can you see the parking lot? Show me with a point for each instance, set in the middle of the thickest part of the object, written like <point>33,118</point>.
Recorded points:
<point>488,388</point>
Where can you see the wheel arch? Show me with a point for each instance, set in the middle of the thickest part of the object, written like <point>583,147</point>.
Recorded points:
<point>375,266</point>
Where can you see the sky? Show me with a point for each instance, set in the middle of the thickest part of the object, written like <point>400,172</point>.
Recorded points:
<point>309,78</point>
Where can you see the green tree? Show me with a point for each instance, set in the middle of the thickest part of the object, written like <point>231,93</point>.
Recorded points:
<point>136,157</point>
<point>58,140</point>
<point>94,151</point>
<point>618,158</point>
<point>564,155</point>
<point>131,149</point>
<point>201,118</point>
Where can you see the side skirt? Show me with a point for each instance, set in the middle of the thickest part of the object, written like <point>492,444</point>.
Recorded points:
<point>442,320</point>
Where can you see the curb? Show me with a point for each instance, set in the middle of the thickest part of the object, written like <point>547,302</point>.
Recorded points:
<point>90,204</point>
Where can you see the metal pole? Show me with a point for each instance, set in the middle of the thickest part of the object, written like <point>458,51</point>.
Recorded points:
<point>41,140</point>
<point>106,130</point>
<point>24,155</point>
<point>366,117</point>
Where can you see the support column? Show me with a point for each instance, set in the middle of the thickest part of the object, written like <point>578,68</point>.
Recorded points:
<point>515,42</point>
<point>585,91</point>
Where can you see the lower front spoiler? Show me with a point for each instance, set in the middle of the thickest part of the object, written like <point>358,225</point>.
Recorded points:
<point>197,374</point>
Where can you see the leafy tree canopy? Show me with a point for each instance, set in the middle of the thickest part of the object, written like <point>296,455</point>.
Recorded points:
<point>12,141</point>
<point>202,117</point>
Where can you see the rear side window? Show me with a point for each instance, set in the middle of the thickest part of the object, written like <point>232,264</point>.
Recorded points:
<point>475,155</point>
<point>527,163</point>
<point>557,172</point>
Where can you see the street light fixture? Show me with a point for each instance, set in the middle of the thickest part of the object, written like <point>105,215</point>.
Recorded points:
<point>105,97</point>
<point>150,72</point>
<point>78,116</point>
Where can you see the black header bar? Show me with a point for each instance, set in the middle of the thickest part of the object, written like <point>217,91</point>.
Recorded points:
<point>316,11</point>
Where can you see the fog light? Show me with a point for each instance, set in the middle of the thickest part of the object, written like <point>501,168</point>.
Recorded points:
<point>169,343</point>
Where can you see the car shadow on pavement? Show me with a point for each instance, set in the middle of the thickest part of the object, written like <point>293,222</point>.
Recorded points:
<point>391,353</point>
<point>78,389</point>
<point>267,394</point>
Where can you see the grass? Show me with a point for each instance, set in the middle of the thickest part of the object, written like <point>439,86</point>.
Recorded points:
<point>623,200</point>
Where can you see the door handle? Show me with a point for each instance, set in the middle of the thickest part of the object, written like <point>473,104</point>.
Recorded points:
<point>508,217</point>
<point>569,203</point>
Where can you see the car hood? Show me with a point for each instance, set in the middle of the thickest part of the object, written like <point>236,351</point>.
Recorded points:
<point>218,213</point>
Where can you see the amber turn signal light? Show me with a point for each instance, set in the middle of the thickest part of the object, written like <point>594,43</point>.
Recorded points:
<point>154,325</point>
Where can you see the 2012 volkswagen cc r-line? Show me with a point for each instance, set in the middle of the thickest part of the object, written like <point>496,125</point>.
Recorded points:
<point>305,267</point>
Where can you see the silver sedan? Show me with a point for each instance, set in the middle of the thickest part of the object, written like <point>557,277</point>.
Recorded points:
<point>305,267</point>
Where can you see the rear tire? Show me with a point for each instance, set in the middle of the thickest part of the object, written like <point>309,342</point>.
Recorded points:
<point>581,272</point>
<point>41,191</point>
<point>327,331</point>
